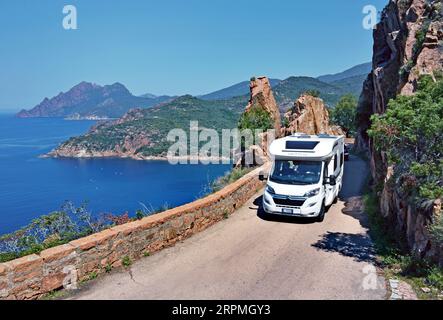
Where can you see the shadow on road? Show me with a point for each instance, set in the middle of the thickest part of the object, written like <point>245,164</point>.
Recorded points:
<point>356,246</point>
<point>354,177</point>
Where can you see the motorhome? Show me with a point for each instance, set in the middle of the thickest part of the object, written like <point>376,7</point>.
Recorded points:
<point>306,175</point>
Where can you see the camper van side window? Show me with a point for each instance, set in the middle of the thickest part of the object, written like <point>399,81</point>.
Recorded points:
<point>335,162</point>
<point>325,171</point>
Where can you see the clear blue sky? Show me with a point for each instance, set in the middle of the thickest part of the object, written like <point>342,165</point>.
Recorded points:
<point>173,46</point>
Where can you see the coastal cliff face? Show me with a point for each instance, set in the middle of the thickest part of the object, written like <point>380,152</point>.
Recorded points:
<point>309,115</point>
<point>142,133</point>
<point>407,44</point>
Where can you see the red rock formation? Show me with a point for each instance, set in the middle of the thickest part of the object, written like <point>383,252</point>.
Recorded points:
<point>309,115</point>
<point>399,58</point>
<point>261,95</point>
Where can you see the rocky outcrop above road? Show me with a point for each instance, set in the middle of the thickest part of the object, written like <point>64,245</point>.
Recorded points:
<point>262,96</point>
<point>408,43</point>
<point>309,115</point>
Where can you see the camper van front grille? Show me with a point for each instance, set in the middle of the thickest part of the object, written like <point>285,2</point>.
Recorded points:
<point>288,201</point>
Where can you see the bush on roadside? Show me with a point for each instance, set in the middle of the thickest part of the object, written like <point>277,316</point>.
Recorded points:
<point>58,228</point>
<point>411,135</point>
<point>344,114</point>
<point>229,178</point>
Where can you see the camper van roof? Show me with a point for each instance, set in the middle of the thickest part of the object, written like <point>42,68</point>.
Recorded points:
<point>304,146</point>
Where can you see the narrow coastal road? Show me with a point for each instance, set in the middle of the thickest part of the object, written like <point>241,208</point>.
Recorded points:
<point>251,256</point>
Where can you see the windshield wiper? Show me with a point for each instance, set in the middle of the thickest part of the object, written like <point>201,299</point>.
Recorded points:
<point>301,182</point>
<point>293,182</point>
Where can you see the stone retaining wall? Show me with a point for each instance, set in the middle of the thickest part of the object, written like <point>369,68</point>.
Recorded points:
<point>32,276</point>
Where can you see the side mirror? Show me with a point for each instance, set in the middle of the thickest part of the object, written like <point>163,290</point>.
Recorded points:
<point>330,180</point>
<point>262,176</point>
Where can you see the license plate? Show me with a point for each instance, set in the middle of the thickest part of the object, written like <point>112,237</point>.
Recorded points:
<point>288,211</point>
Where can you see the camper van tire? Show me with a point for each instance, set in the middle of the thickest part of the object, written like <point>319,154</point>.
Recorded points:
<point>335,200</point>
<point>321,215</point>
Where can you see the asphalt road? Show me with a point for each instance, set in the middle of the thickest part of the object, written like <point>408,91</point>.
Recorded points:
<point>251,256</point>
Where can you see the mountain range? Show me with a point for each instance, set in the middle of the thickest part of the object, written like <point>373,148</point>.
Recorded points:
<point>89,100</point>
<point>361,69</point>
<point>92,101</point>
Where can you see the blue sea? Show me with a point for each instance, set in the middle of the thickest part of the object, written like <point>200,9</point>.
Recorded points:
<point>31,186</point>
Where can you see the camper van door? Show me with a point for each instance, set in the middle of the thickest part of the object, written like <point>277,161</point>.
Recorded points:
<point>332,169</point>
<point>328,188</point>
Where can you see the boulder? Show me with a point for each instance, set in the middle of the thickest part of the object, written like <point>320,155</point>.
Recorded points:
<point>309,115</point>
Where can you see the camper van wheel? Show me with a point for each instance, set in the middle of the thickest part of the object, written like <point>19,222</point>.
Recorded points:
<point>321,216</point>
<point>335,199</point>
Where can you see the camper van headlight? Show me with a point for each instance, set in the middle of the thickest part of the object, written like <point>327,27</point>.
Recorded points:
<point>312,193</point>
<point>270,190</point>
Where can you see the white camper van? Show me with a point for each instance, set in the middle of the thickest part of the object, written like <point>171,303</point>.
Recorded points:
<point>306,175</point>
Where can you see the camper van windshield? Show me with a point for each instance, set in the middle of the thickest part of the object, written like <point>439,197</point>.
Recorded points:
<point>296,172</point>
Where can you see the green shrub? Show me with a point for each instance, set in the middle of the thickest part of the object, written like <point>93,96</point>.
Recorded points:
<point>256,118</point>
<point>229,178</point>
<point>54,229</point>
<point>437,230</point>
<point>420,37</point>
<point>344,114</point>
<point>405,70</point>
<point>314,93</point>
<point>411,135</point>
<point>108,268</point>
<point>285,123</point>
<point>48,231</point>
<point>93,275</point>
<point>139,214</point>
<point>435,278</point>
<point>393,256</point>
<point>126,261</point>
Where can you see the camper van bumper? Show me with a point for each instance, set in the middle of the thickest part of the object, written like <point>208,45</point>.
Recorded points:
<point>311,208</point>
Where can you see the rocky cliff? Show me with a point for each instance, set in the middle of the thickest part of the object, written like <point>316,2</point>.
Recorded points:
<point>91,101</point>
<point>407,44</point>
<point>309,115</point>
<point>261,96</point>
